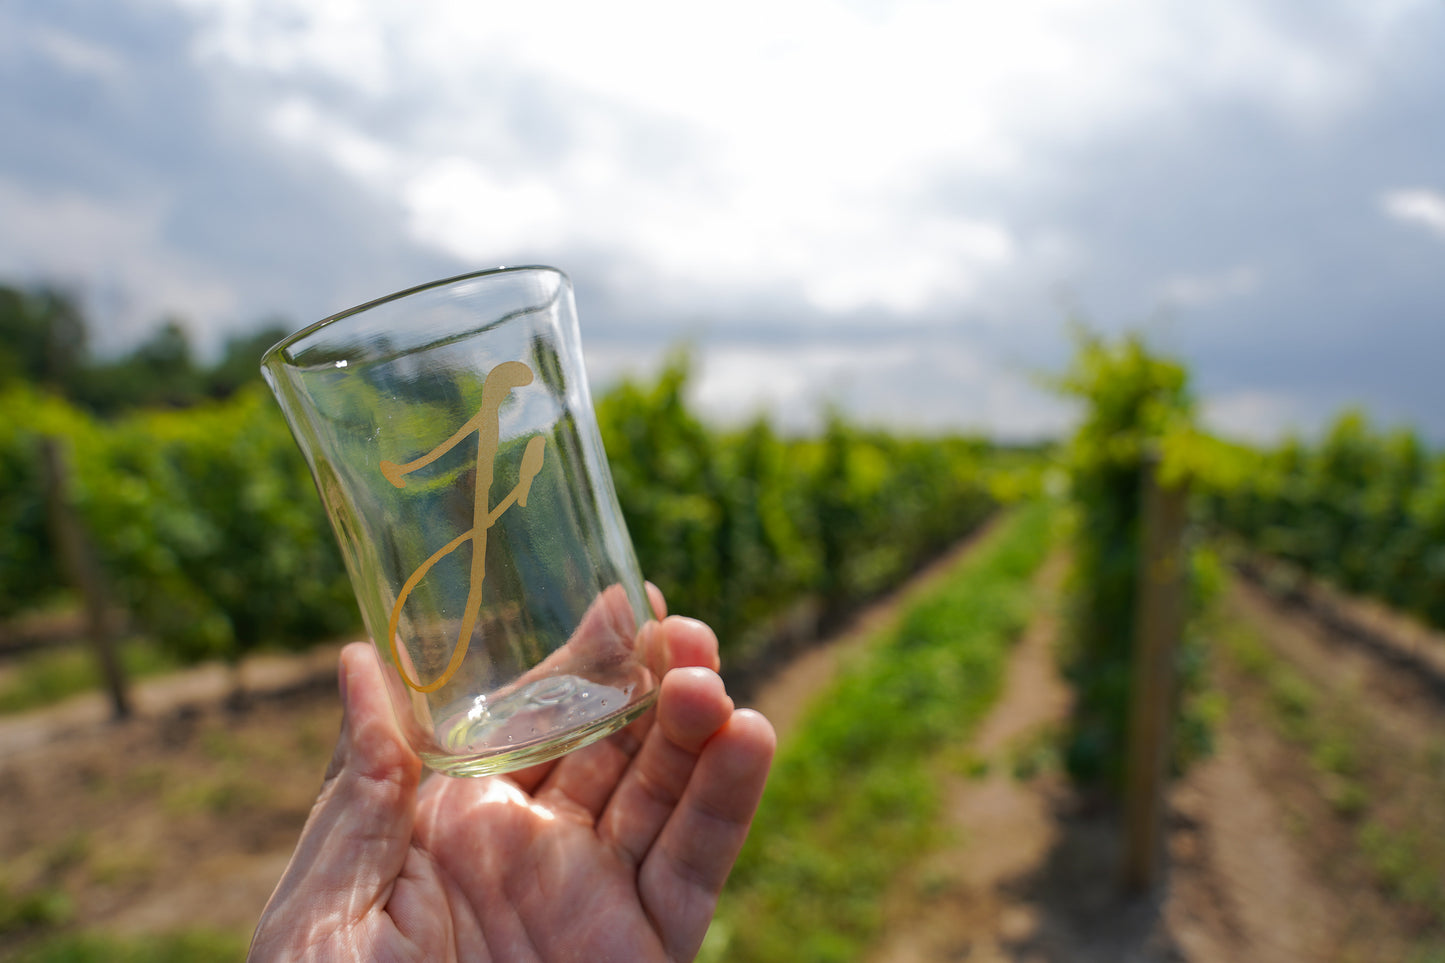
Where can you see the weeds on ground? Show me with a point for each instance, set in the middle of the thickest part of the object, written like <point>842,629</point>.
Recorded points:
<point>36,909</point>
<point>1381,789</point>
<point>853,796</point>
<point>50,675</point>
<point>95,948</point>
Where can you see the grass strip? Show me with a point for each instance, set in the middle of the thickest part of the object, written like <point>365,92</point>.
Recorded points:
<point>853,797</point>
<point>99,948</point>
<point>43,678</point>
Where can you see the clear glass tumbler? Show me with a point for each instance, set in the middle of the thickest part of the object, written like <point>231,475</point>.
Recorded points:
<point>451,435</point>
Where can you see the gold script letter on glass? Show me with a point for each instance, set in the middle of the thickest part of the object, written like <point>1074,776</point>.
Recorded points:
<point>451,435</point>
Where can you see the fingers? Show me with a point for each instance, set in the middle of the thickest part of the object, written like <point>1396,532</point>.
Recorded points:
<point>589,776</point>
<point>606,628</point>
<point>659,604</point>
<point>608,622</point>
<point>690,642</point>
<point>693,711</point>
<point>685,869</point>
<point>359,830</point>
<point>691,707</point>
<point>608,625</point>
<point>677,642</point>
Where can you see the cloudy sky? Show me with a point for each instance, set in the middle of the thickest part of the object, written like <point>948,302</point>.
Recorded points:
<point>892,206</point>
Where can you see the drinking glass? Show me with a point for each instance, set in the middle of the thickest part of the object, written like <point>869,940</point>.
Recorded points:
<point>451,436</point>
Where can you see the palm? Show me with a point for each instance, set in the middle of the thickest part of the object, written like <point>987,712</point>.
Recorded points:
<point>615,852</point>
<point>532,886</point>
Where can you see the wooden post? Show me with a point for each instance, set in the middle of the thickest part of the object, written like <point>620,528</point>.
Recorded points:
<point>84,572</point>
<point>1159,617</point>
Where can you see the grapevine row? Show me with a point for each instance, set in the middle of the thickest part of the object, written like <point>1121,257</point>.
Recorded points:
<point>209,529</point>
<point>1362,509</point>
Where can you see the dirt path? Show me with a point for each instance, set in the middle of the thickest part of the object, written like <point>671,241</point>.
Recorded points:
<point>175,820</point>
<point>89,715</point>
<point>954,907</point>
<point>1398,698</point>
<point>1351,743</point>
<point>1387,636</point>
<point>1242,886</point>
<point>185,816</point>
<point>1031,873</point>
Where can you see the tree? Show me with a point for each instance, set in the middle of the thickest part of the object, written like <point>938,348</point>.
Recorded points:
<point>240,362</point>
<point>160,373</point>
<point>42,337</point>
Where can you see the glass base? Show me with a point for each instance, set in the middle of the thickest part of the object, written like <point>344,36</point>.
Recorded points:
<point>534,724</point>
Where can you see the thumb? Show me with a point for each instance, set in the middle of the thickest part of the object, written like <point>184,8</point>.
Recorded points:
<point>357,836</point>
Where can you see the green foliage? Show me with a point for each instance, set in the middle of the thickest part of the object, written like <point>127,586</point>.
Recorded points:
<point>208,525</point>
<point>205,521</point>
<point>1138,410</point>
<point>44,342</point>
<point>29,569</point>
<point>34,910</point>
<point>1362,509</point>
<point>670,487</point>
<point>42,337</point>
<point>853,795</point>
<point>736,526</point>
<point>160,372</point>
<point>48,676</point>
<point>197,947</point>
<point>240,360</point>
<point>210,521</point>
<point>1399,860</point>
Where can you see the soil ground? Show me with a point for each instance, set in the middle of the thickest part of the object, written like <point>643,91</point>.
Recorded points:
<point>184,817</point>
<point>1261,865</point>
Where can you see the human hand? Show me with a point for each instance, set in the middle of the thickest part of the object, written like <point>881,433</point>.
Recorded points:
<point>614,852</point>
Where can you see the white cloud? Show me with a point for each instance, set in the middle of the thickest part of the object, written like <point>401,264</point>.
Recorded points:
<point>737,381</point>
<point>909,384</point>
<point>459,206</point>
<point>1255,415</point>
<point>114,254</point>
<point>344,40</point>
<point>826,163</point>
<point>78,56</point>
<point>1420,206</point>
<point>806,129</point>
<point>301,121</point>
<point>1196,290</point>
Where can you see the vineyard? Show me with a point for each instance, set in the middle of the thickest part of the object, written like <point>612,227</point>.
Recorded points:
<point>207,525</point>
<point>211,541</point>
<point>1362,509</point>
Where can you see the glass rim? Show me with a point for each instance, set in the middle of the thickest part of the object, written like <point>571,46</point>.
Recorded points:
<point>278,349</point>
